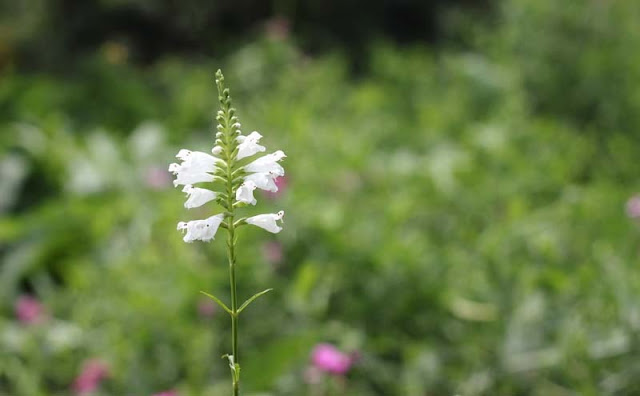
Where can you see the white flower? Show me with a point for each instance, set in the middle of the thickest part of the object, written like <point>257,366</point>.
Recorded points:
<point>195,167</point>
<point>263,180</point>
<point>201,230</point>
<point>184,176</point>
<point>249,145</point>
<point>245,192</point>
<point>197,159</point>
<point>268,163</point>
<point>267,221</point>
<point>197,196</point>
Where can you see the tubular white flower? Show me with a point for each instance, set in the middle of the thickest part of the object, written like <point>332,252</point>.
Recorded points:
<point>267,221</point>
<point>197,160</point>
<point>245,192</point>
<point>201,230</point>
<point>263,180</point>
<point>268,163</point>
<point>197,196</point>
<point>195,167</point>
<point>185,176</point>
<point>249,145</point>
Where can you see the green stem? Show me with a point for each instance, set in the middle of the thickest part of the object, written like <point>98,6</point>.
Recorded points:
<point>231,242</point>
<point>234,306</point>
<point>227,126</point>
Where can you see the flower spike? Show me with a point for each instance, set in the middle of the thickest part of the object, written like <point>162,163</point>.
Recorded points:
<point>232,185</point>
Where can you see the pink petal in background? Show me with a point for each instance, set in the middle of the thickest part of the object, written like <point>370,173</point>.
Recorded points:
<point>166,393</point>
<point>29,310</point>
<point>89,379</point>
<point>330,359</point>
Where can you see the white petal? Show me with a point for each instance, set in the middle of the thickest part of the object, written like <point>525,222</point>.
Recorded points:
<point>201,230</point>
<point>183,154</point>
<point>216,150</point>
<point>254,136</point>
<point>245,192</point>
<point>196,156</point>
<point>184,178</point>
<point>249,145</point>
<point>197,161</point>
<point>195,167</point>
<point>263,180</point>
<point>197,196</point>
<point>189,167</point>
<point>202,160</point>
<point>268,163</point>
<point>267,221</point>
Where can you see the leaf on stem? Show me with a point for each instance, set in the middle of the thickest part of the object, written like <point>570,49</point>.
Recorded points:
<point>250,300</point>
<point>216,299</point>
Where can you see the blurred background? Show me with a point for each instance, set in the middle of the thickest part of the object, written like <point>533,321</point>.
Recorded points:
<point>460,197</point>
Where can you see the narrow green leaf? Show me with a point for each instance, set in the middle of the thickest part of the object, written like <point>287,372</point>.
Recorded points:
<point>216,299</point>
<point>249,301</point>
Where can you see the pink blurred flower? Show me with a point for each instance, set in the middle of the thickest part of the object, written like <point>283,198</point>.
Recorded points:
<point>633,207</point>
<point>29,310</point>
<point>272,252</point>
<point>166,393</point>
<point>281,183</point>
<point>93,372</point>
<point>157,178</point>
<point>330,359</point>
<point>207,308</point>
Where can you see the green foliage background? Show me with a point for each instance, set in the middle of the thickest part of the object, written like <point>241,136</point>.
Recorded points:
<point>456,216</point>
